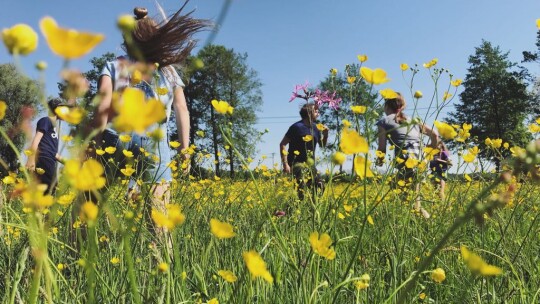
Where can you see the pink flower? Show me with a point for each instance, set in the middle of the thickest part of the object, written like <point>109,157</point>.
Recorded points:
<point>300,88</point>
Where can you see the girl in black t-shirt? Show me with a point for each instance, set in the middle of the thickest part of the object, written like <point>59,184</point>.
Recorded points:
<point>44,148</point>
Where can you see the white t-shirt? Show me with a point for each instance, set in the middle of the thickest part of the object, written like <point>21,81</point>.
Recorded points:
<point>165,77</point>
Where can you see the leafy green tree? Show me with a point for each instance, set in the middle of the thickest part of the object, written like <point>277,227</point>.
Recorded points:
<point>22,96</point>
<point>494,100</point>
<point>98,63</point>
<point>535,57</point>
<point>224,76</point>
<point>353,91</point>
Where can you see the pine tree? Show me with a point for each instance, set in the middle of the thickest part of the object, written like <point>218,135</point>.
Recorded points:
<point>494,100</point>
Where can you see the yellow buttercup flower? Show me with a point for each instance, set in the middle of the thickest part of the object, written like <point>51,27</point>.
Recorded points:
<point>320,127</point>
<point>3,107</point>
<point>136,77</point>
<point>128,170</point>
<point>346,123</point>
<point>339,158</point>
<point>213,301</point>
<point>222,107</point>
<point>404,66</point>
<point>431,63</point>
<point>351,79</point>
<point>68,43</point>
<point>474,150</point>
<point>534,128</point>
<point>10,179</point>
<point>445,130</point>
<point>469,157</point>
<point>351,142</point>
<point>200,133</point>
<point>538,23</point>
<point>363,282</point>
<point>227,276</point>
<point>438,275</point>
<point>115,260</point>
<point>307,138</point>
<point>174,144</point>
<point>446,96</point>
<point>85,177</point>
<point>257,266</point>
<point>40,171</point>
<point>411,163</point>
<point>124,138</point>
<point>173,218</point>
<point>388,94</point>
<point>127,153</point>
<point>456,82</point>
<point>370,220</point>
<point>322,245</point>
<point>221,230</point>
<point>134,105</point>
<point>67,138</point>
<point>66,199</point>
<point>430,152</point>
<point>110,150</point>
<point>89,212</point>
<point>362,58</point>
<point>418,94</point>
<point>477,265</point>
<point>70,115</point>
<point>333,72</point>
<point>34,196</point>
<point>359,109</point>
<point>362,167</point>
<point>377,76</point>
<point>21,39</point>
<point>163,267</point>
<point>162,91</point>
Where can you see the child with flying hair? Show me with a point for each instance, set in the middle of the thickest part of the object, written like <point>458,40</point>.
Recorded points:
<point>406,137</point>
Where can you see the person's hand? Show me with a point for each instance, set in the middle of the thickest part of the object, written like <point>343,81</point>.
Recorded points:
<point>185,161</point>
<point>325,130</point>
<point>286,168</point>
<point>31,165</point>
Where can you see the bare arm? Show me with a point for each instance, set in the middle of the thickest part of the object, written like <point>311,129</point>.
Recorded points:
<point>182,118</point>
<point>31,162</point>
<point>282,146</point>
<point>104,109</point>
<point>433,136</point>
<point>324,138</point>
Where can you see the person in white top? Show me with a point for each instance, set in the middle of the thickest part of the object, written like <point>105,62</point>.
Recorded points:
<point>153,48</point>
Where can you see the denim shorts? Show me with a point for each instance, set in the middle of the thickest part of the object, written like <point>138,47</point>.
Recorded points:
<point>150,163</point>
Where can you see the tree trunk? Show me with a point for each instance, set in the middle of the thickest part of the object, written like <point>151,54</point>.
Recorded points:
<point>215,140</point>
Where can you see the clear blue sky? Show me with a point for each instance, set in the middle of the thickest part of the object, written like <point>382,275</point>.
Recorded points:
<point>290,42</point>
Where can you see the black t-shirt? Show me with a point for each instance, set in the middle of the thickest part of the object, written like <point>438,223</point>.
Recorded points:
<point>48,145</point>
<point>295,134</point>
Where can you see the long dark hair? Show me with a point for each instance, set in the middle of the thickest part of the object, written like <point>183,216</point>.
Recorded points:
<point>397,105</point>
<point>167,43</point>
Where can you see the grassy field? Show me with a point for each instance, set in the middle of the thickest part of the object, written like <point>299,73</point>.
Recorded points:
<point>380,244</point>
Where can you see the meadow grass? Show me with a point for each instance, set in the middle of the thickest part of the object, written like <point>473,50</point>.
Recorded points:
<point>117,260</point>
